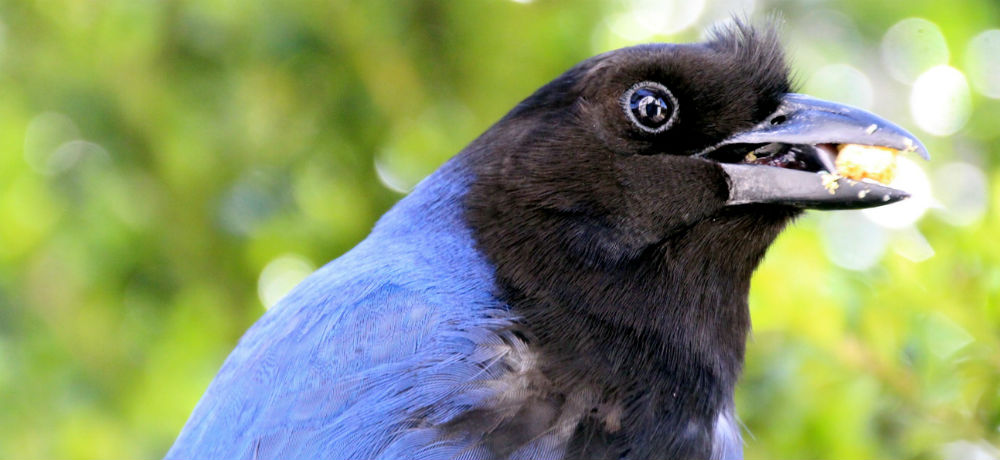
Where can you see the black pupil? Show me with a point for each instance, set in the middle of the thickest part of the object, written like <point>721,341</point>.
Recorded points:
<point>650,107</point>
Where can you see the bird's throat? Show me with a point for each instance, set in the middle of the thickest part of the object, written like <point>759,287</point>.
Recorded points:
<point>659,334</point>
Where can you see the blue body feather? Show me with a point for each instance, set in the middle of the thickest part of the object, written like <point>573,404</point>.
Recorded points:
<point>369,353</point>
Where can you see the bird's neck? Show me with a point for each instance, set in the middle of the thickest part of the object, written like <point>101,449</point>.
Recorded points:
<point>661,333</point>
<point>677,313</point>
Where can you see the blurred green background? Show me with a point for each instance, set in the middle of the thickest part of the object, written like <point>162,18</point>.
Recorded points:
<point>170,168</point>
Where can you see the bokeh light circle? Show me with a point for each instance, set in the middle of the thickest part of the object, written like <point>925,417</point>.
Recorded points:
<point>911,178</point>
<point>962,191</point>
<point>982,61</point>
<point>940,102</point>
<point>662,17</point>
<point>912,245</point>
<point>851,241</point>
<point>280,275</point>
<point>912,46</point>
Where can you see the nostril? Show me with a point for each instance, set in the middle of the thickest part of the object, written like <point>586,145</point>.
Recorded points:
<point>778,120</point>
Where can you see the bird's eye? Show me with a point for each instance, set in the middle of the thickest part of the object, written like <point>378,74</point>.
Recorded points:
<point>650,106</point>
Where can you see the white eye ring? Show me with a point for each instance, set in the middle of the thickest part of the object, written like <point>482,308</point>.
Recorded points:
<point>650,106</point>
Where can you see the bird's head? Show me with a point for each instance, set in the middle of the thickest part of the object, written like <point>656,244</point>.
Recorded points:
<point>624,215</point>
<point>638,144</point>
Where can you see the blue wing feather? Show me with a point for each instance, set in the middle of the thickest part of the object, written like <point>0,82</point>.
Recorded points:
<point>369,353</point>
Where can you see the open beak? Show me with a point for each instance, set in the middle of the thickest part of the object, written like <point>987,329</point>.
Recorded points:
<point>789,158</point>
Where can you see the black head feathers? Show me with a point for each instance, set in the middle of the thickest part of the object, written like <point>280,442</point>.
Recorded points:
<point>574,147</point>
<point>723,85</point>
<point>626,249</point>
<point>756,57</point>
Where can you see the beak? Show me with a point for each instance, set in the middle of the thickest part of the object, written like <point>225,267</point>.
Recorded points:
<point>782,160</point>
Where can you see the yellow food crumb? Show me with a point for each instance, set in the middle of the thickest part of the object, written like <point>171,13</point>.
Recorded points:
<point>866,161</point>
<point>830,182</point>
<point>750,157</point>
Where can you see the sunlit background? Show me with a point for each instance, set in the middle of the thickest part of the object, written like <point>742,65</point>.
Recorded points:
<point>169,169</point>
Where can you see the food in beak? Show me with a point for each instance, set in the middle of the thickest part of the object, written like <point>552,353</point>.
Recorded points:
<point>858,162</point>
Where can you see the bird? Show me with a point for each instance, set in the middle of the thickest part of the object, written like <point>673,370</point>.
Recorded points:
<point>571,284</point>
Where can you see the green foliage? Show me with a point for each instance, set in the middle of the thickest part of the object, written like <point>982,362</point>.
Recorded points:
<point>156,156</point>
